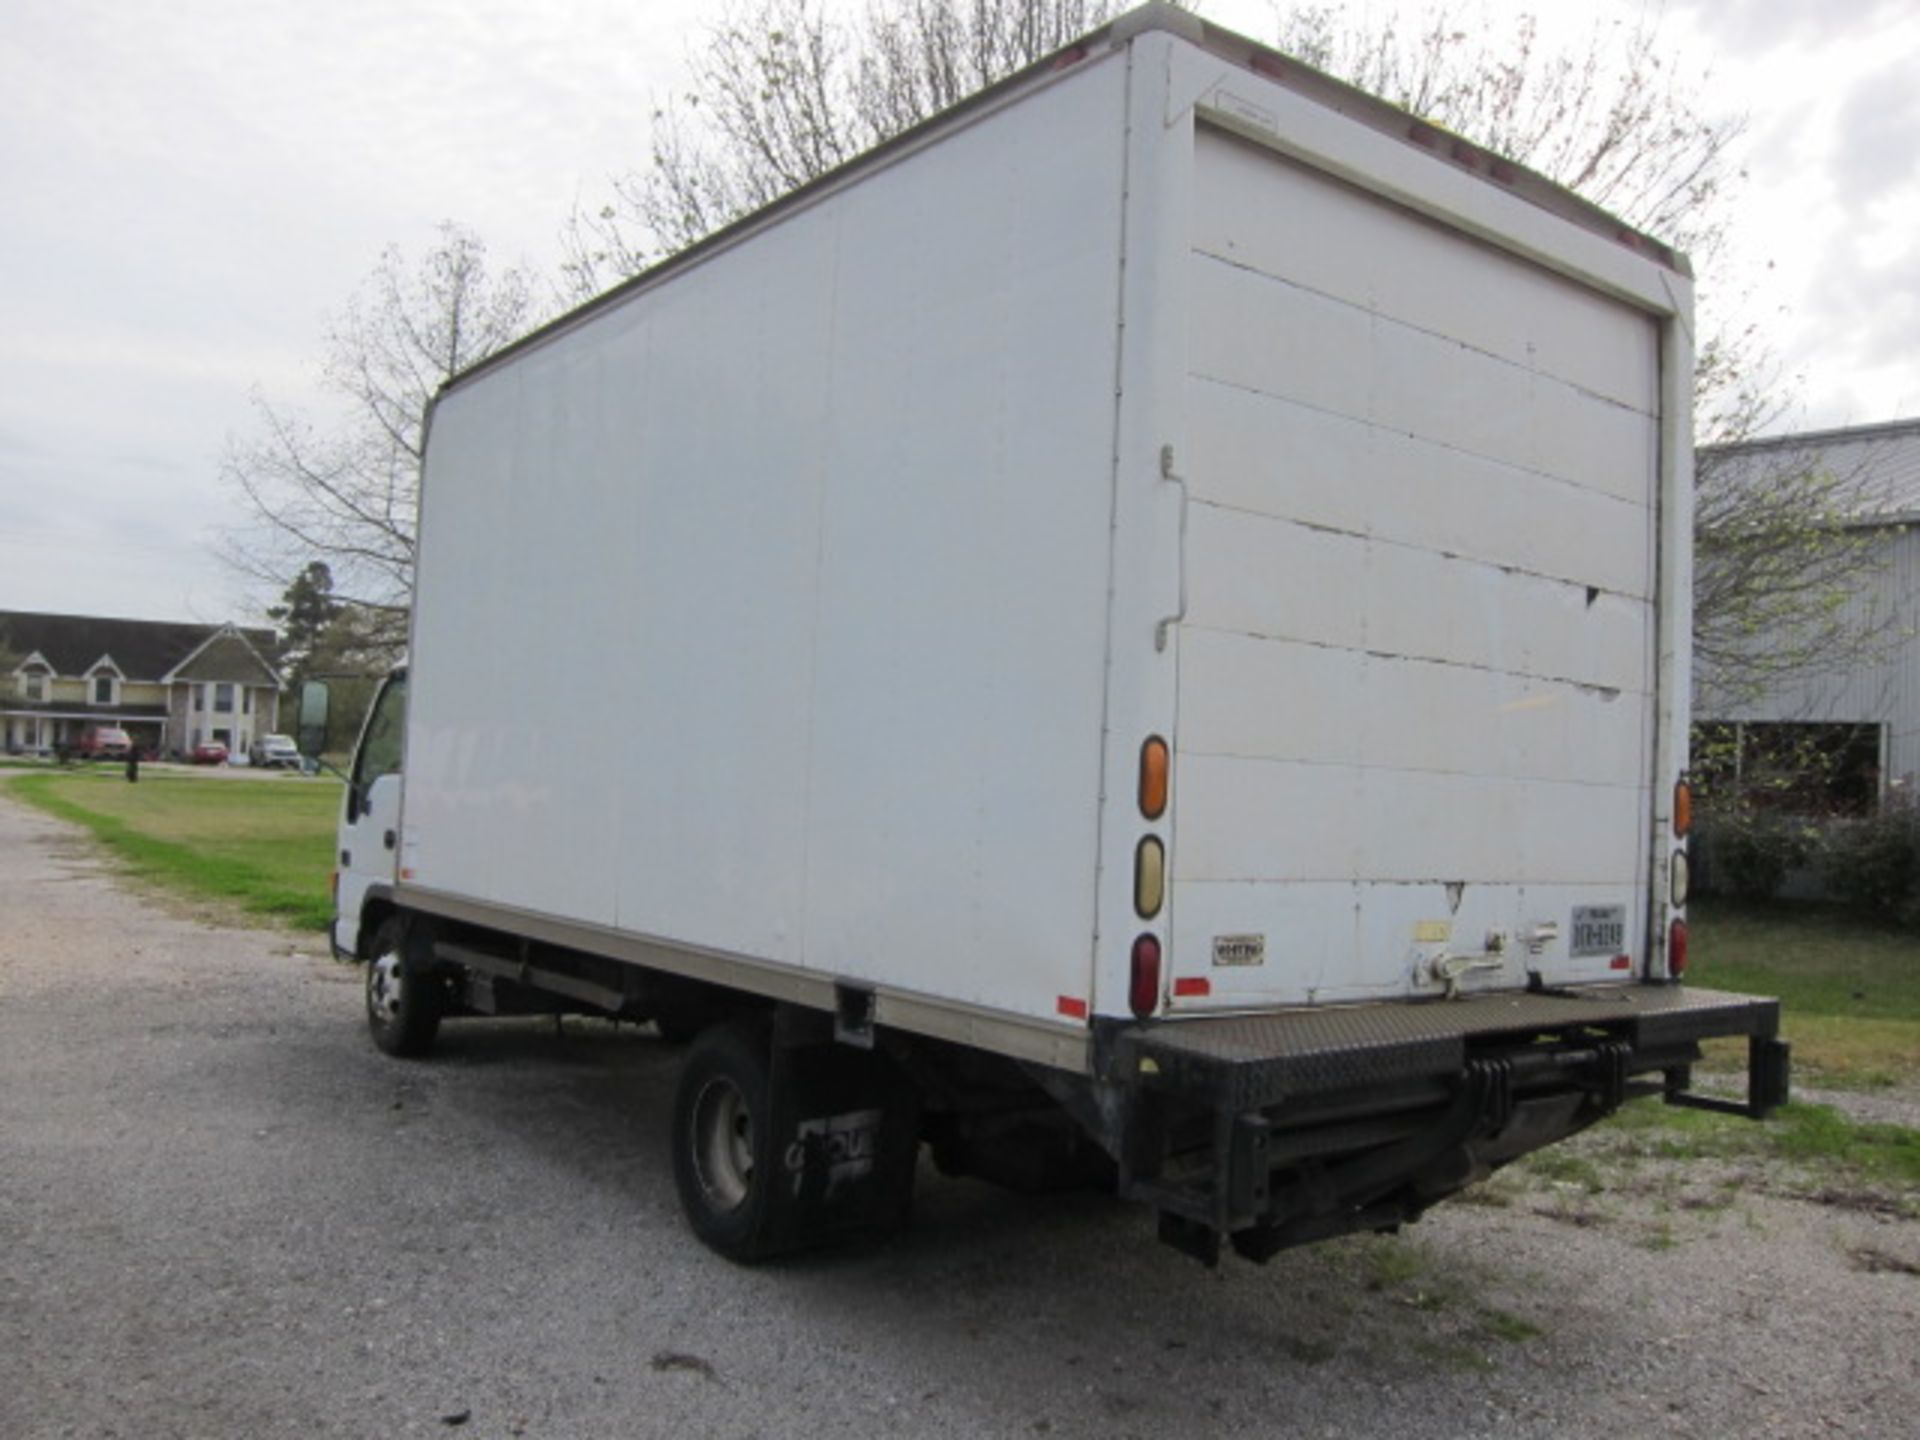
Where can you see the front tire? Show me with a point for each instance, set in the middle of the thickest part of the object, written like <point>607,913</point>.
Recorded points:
<point>404,999</point>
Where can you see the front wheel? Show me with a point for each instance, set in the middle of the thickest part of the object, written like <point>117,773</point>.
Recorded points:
<point>404,1001</point>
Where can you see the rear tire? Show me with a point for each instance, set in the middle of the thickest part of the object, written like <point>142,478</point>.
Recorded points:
<point>723,1142</point>
<point>404,999</point>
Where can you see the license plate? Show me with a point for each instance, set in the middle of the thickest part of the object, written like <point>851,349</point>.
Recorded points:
<point>1598,930</point>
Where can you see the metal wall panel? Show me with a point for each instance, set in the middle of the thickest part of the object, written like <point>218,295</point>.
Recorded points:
<point>1881,687</point>
<point>765,611</point>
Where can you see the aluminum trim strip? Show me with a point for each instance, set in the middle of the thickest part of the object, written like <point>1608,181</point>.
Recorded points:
<point>1061,1047</point>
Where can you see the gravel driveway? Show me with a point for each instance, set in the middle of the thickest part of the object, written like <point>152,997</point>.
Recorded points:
<point>222,1213</point>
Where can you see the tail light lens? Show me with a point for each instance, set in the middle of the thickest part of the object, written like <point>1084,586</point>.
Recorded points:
<point>1149,877</point>
<point>1677,949</point>
<point>1155,769</point>
<point>1682,808</point>
<point>1143,987</point>
<point>1679,878</point>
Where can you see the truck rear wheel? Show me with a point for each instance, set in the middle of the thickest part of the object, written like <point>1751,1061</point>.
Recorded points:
<point>404,1000</point>
<point>779,1145</point>
<point>723,1141</point>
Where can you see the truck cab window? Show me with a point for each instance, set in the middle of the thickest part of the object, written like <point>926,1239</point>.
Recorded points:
<point>386,730</point>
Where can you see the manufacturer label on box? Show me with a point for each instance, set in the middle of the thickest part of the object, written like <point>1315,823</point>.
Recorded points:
<point>1239,949</point>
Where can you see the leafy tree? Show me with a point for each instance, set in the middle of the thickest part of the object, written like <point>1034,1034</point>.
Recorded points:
<point>347,492</point>
<point>304,613</point>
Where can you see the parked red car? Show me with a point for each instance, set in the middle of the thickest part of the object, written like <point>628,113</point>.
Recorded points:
<point>102,742</point>
<point>210,752</point>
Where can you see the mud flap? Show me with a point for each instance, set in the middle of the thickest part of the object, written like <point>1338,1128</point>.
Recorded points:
<point>847,1132</point>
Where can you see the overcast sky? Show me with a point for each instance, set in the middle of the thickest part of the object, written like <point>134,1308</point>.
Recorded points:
<point>192,189</point>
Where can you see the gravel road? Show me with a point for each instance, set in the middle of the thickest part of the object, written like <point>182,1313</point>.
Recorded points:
<point>222,1213</point>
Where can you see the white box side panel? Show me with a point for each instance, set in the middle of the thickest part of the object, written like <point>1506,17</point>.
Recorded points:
<point>1417,664</point>
<point>765,611</point>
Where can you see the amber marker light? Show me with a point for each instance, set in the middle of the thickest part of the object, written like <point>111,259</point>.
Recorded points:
<point>1682,807</point>
<point>1155,767</point>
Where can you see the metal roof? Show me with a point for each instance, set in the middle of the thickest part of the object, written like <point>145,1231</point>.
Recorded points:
<point>1878,464</point>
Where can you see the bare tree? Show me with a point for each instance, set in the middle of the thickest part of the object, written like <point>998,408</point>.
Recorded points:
<point>1789,546</point>
<point>782,92</point>
<point>347,494</point>
<point>1611,117</point>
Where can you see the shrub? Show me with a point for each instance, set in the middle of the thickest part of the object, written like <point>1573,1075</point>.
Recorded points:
<point>1873,863</point>
<point>1751,852</point>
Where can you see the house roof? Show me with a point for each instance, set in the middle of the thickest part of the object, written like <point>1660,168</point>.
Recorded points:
<point>1880,463</point>
<point>144,650</point>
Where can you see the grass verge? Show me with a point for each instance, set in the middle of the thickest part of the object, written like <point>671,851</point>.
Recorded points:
<point>264,845</point>
<point>1817,1137</point>
<point>1849,989</point>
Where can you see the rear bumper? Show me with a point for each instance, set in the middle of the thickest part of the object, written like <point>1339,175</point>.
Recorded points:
<point>1279,1128</point>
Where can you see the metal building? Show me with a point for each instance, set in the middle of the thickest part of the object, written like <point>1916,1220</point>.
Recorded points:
<point>1848,687</point>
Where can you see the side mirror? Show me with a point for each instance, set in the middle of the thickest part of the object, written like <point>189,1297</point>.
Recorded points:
<point>316,706</point>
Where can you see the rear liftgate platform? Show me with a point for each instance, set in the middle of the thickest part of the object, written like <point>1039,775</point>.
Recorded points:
<point>1278,1129</point>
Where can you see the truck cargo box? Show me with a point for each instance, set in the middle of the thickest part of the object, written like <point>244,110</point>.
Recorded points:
<point>1170,542</point>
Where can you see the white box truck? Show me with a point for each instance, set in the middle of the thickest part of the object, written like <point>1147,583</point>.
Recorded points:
<point>1136,633</point>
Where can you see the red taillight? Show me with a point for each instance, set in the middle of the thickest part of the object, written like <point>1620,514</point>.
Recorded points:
<point>1677,949</point>
<point>1143,987</point>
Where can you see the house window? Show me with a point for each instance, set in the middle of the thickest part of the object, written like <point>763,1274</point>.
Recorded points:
<point>223,699</point>
<point>246,701</point>
<point>33,685</point>
<point>199,702</point>
<point>103,689</point>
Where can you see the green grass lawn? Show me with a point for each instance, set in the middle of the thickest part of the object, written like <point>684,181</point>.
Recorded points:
<point>1849,989</point>
<point>266,844</point>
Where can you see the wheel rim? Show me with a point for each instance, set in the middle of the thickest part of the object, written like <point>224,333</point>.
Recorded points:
<point>386,987</point>
<point>723,1144</point>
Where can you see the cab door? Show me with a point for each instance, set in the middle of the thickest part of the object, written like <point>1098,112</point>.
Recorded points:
<point>370,820</point>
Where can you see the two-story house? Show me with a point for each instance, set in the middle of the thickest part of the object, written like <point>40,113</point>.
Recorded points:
<point>169,686</point>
